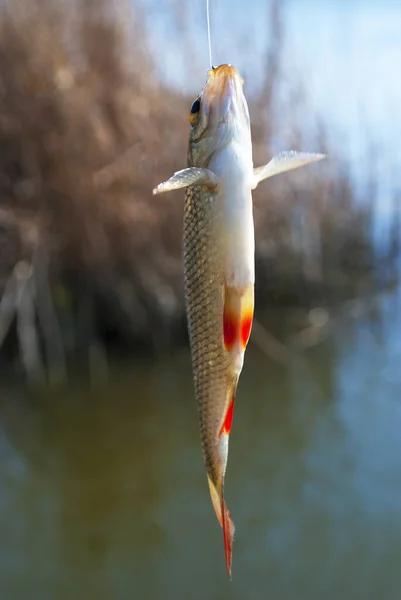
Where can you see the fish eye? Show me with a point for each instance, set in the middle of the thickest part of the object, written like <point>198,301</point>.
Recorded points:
<point>195,108</point>
<point>194,113</point>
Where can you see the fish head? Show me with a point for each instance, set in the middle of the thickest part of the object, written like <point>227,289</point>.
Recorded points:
<point>219,115</point>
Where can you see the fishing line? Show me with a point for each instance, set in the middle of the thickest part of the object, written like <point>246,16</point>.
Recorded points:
<point>208,33</point>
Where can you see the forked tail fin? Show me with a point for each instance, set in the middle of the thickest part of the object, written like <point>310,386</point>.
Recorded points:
<point>228,533</point>
<point>225,521</point>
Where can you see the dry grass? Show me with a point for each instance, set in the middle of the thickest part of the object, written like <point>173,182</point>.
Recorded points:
<point>87,129</point>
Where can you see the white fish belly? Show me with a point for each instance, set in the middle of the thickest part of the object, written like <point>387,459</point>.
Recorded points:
<point>234,168</point>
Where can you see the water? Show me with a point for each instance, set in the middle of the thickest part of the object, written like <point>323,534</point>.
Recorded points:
<point>103,493</point>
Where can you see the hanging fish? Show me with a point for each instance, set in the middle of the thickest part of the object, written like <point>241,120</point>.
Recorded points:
<point>219,260</point>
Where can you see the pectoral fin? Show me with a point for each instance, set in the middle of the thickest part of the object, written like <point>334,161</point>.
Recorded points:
<point>186,178</point>
<point>284,161</point>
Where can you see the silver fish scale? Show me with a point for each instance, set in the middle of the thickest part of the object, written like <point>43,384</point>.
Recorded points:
<point>204,280</point>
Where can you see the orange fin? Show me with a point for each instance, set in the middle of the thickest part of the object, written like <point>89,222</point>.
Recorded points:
<point>230,327</point>
<point>237,316</point>
<point>228,419</point>
<point>225,521</point>
<point>246,326</point>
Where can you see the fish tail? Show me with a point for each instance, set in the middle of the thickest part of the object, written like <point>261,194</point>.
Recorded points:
<point>224,518</point>
<point>228,533</point>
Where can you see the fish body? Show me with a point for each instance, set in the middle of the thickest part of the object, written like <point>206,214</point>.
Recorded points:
<point>219,261</point>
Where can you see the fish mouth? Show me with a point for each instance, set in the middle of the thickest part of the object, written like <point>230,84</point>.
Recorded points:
<point>223,92</point>
<point>223,118</point>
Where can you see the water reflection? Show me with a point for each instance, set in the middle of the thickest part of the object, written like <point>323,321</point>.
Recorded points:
<point>103,493</point>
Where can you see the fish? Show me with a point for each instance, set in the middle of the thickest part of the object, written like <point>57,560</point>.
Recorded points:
<point>219,260</point>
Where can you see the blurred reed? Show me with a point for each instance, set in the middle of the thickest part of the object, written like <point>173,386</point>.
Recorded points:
<point>87,128</point>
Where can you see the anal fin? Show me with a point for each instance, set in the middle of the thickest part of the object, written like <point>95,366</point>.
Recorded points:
<point>228,419</point>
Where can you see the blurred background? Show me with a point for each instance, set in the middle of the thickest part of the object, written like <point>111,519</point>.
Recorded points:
<point>102,488</point>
